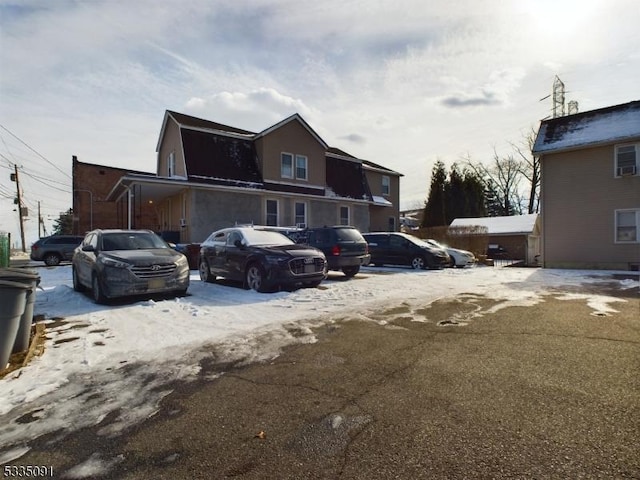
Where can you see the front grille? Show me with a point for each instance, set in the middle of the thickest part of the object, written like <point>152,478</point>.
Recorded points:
<point>299,266</point>
<point>154,271</point>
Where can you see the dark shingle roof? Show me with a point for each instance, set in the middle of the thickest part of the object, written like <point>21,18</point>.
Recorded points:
<point>214,158</point>
<point>189,121</point>
<point>346,179</point>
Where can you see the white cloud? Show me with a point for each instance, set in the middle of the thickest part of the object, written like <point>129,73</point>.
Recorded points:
<point>94,78</point>
<point>254,110</point>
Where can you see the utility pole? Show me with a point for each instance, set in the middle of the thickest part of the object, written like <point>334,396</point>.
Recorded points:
<point>19,200</point>
<point>39,220</point>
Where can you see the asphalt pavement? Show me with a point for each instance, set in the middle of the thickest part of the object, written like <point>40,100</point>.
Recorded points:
<point>545,391</point>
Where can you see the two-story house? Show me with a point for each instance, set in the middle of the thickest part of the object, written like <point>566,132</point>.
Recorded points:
<point>211,176</point>
<point>590,190</point>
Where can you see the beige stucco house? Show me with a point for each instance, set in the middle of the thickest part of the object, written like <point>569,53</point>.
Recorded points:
<point>590,191</point>
<point>211,176</point>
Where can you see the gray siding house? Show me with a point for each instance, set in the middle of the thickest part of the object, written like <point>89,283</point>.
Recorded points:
<point>590,190</point>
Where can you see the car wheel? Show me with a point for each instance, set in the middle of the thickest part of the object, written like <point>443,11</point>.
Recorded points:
<point>77,286</point>
<point>254,278</point>
<point>96,290</point>
<point>205,273</point>
<point>351,271</point>
<point>417,263</point>
<point>52,259</point>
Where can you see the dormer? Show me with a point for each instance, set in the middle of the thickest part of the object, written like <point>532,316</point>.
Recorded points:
<point>290,153</point>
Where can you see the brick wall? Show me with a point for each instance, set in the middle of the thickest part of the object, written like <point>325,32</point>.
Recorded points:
<point>91,185</point>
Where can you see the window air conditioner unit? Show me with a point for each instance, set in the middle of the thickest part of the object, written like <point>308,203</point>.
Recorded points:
<point>183,222</point>
<point>629,170</point>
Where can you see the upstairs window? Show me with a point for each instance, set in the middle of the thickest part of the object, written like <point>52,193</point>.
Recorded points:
<point>344,215</point>
<point>626,160</point>
<point>386,185</point>
<point>301,167</point>
<point>628,226</point>
<point>286,165</point>
<point>171,164</point>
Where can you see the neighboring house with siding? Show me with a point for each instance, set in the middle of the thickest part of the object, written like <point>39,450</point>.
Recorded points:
<point>211,176</point>
<point>590,191</point>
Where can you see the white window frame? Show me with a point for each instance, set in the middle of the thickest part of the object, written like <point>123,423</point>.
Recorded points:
<point>304,217</point>
<point>635,167</point>
<point>171,164</point>
<point>340,217</point>
<point>386,185</point>
<point>266,211</point>
<point>291,157</point>
<point>305,161</point>
<point>616,235</point>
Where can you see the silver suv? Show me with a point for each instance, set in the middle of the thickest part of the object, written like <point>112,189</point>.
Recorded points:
<point>120,263</point>
<point>54,249</point>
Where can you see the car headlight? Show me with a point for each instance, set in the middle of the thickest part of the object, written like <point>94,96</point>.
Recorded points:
<point>274,259</point>
<point>112,262</point>
<point>182,261</point>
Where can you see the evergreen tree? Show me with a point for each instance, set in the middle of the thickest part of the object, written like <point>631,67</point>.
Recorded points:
<point>475,198</point>
<point>434,210</point>
<point>63,225</point>
<point>455,196</point>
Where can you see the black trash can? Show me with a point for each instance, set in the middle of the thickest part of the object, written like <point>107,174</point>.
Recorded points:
<point>13,299</point>
<point>31,278</point>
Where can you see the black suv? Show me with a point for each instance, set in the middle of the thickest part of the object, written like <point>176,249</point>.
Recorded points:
<point>403,249</point>
<point>52,250</point>
<point>262,259</point>
<point>344,246</point>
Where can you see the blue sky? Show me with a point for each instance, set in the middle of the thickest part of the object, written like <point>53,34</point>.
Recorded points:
<point>400,83</point>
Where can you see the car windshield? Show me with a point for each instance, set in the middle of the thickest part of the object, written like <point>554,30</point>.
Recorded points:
<point>131,241</point>
<point>433,243</point>
<point>349,234</point>
<point>422,243</point>
<point>264,237</point>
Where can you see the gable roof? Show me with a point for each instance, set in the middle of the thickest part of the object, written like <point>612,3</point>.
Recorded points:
<point>196,123</point>
<point>595,127</point>
<point>292,118</point>
<point>514,224</point>
<point>379,168</point>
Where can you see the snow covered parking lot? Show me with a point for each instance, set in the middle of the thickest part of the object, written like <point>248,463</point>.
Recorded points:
<point>118,358</point>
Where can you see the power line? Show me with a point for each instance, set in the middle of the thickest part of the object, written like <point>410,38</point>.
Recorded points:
<point>34,151</point>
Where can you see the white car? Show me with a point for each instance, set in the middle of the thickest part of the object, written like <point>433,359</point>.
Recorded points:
<point>459,258</point>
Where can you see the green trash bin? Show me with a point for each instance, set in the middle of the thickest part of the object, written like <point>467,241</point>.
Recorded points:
<point>30,278</point>
<point>13,298</point>
<point>5,249</point>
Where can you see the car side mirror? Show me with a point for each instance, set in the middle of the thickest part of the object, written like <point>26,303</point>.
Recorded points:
<point>88,248</point>
<point>238,243</point>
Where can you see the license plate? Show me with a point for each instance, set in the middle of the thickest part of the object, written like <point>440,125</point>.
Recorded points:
<point>309,268</point>
<point>156,283</point>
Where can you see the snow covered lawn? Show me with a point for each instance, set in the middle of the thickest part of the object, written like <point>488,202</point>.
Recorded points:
<point>120,358</point>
